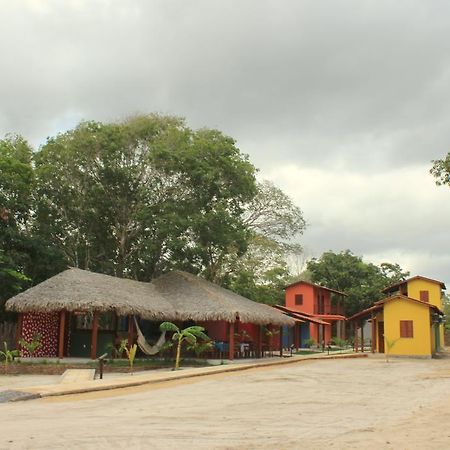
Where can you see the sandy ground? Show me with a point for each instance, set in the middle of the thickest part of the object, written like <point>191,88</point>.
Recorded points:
<point>343,404</point>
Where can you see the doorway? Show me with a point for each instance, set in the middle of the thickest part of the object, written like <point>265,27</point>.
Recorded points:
<point>380,337</point>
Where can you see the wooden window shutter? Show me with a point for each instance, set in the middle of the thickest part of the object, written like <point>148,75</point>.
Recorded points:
<point>406,329</point>
<point>424,296</point>
<point>299,299</point>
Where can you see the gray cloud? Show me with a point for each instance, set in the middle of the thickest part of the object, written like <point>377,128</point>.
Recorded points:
<point>332,89</point>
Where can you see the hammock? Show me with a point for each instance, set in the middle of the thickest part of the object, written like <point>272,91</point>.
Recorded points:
<point>145,346</point>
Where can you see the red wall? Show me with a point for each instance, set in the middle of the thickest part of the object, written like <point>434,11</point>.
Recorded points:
<point>308,297</point>
<point>45,324</point>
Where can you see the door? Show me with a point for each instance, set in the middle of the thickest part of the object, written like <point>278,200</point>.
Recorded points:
<point>380,337</point>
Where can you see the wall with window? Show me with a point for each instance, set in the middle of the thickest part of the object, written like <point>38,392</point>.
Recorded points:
<point>410,320</point>
<point>417,289</point>
<point>293,298</point>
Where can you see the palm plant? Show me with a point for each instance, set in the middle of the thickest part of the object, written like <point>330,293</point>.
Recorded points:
<point>189,334</point>
<point>130,351</point>
<point>31,346</point>
<point>389,345</point>
<point>9,355</point>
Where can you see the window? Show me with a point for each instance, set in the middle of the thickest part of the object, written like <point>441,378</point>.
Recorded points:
<point>406,329</point>
<point>424,296</point>
<point>299,299</point>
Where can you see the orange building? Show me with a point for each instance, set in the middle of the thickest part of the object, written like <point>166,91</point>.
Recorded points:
<point>320,303</point>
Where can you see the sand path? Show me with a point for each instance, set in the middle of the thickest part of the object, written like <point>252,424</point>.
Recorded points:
<point>344,404</point>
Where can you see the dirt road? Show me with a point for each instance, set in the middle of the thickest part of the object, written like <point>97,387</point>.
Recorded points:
<point>343,404</point>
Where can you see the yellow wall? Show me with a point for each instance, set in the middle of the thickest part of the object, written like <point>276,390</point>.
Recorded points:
<point>400,309</point>
<point>435,296</point>
<point>434,289</point>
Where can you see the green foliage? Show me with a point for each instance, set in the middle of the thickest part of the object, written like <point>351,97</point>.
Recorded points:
<point>271,331</point>
<point>390,343</point>
<point>308,343</point>
<point>339,342</point>
<point>31,346</point>
<point>362,282</point>
<point>262,272</point>
<point>140,197</point>
<point>190,335</point>
<point>24,257</point>
<point>8,355</point>
<point>200,347</point>
<point>441,170</point>
<point>130,351</point>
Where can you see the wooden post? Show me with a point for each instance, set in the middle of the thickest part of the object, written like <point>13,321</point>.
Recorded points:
<point>19,329</point>
<point>362,337</point>
<point>130,330</point>
<point>297,335</point>
<point>62,333</point>
<point>94,336</point>
<point>281,342</point>
<point>260,339</point>
<point>356,338</point>
<point>231,341</point>
<point>374,333</point>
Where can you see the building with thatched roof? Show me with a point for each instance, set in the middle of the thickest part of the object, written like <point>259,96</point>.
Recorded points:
<point>80,313</point>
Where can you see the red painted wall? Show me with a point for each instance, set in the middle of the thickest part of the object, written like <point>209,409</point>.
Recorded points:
<point>308,297</point>
<point>45,324</point>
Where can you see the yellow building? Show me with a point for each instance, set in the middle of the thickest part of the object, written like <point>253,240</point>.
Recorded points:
<point>409,322</point>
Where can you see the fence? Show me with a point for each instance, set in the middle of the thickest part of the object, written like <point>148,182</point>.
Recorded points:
<point>8,334</point>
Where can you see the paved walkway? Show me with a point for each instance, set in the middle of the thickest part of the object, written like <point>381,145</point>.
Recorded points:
<point>71,376</point>
<point>149,377</point>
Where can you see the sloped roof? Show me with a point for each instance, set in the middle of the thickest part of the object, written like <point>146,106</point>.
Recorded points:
<point>174,296</point>
<point>198,299</point>
<point>377,306</point>
<point>301,315</point>
<point>316,286</point>
<point>82,290</point>
<point>417,277</point>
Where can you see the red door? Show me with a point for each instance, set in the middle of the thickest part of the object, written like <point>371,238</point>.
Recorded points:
<point>380,337</point>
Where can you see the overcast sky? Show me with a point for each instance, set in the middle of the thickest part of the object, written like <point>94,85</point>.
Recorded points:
<point>343,104</point>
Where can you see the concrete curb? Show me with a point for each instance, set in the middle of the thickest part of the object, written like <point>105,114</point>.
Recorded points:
<point>143,379</point>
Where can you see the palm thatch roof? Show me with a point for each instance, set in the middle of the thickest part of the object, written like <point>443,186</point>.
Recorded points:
<point>81,290</point>
<point>198,299</point>
<point>174,296</point>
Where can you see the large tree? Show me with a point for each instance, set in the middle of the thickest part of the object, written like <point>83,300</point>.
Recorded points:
<point>24,257</point>
<point>348,273</point>
<point>275,223</point>
<point>138,197</point>
<point>441,170</point>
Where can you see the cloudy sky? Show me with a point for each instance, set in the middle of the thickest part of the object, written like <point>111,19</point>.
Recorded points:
<point>343,104</point>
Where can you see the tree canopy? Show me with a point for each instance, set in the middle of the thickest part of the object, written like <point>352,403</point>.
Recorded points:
<point>348,273</point>
<point>132,199</point>
<point>441,170</point>
<point>137,198</point>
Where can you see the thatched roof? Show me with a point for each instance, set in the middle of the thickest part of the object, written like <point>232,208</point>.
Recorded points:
<point>174,296</point>
<point>81,290</point>
<point>197,299</point>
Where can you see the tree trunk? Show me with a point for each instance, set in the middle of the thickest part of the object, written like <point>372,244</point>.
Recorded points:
<point>177,359</point>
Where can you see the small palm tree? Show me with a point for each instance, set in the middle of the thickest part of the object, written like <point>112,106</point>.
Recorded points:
<point>130,352</point>
<point>389,346</point>
<point>189,334</point>
<point>9,355</point>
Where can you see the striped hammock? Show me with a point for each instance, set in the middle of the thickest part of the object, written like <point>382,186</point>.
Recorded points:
<point>145,346</point>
